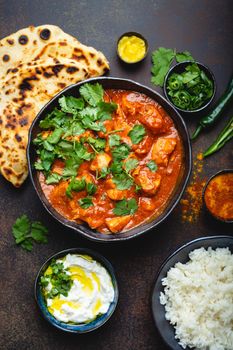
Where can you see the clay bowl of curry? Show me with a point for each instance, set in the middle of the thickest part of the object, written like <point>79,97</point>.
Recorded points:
<point>109,158</point>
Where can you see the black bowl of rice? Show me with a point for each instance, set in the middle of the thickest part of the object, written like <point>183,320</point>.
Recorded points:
<point>192,298</point>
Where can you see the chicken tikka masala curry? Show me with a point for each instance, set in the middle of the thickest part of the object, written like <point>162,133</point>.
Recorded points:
<point>109,158</point>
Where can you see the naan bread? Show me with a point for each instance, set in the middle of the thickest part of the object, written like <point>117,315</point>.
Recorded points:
<point>40,62</point>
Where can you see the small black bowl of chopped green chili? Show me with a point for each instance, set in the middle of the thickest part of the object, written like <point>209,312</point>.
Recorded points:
<point>190,86</point>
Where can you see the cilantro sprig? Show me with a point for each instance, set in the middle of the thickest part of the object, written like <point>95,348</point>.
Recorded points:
<point>26,232</point>
<point>125,207</point>
<point>137,133</point>
<point>162,59</point>
<point>59,279</point>
<point>80,185</point>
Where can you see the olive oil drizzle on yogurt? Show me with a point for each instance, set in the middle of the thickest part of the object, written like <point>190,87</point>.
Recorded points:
<point>91,291</point>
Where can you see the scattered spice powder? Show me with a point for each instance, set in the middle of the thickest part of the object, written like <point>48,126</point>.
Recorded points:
<point>191,202</point>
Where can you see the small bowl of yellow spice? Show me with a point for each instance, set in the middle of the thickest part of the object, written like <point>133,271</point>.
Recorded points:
<point>132,47</point>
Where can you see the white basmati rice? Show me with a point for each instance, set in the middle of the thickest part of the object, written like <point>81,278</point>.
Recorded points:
<point>198,299</point>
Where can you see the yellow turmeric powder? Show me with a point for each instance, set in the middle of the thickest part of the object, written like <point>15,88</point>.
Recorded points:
<point>191,201</point>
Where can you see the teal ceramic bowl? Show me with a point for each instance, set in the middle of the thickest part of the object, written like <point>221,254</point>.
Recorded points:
<point>83,327</point>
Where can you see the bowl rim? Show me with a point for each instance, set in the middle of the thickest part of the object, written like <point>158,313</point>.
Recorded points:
<point>114,238</point>
<point>166,260</point>
<point>109,268</point>
<point>201,65</point>
<point>223,171</point>
<point>137,34</point>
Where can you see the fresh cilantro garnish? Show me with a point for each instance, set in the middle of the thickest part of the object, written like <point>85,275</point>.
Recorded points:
<point>71,166</point>
<point>91,188</point>
<point>55,136</point>
<point>53,178</point>
<point>46,160</point>
<point>97,144</point>
<point>125,207</point>
<point>92,93</point>
<point>122,181</point>
<point>76,115</point>
<point>116,167</point>
<point>102,173</point>
<point>75,185</point>
<point>137,133</point>
<point>120,152</point>
<point>162,59</point>
<point>59,278</point>
<point>53,120</point>
<point>114,140</point>
<point>105,110</point>
<point>85,202</point>
<point>26,232</point>
<point>138,188</point>
<point>152,165</point>
<point>70,104</point>
<point>184,56</point>
<point>130,164</point>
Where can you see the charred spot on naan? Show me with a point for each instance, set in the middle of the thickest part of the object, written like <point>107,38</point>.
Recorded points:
<point>6,58</point>
<point>10,41</point>
<point>23,39</point>
<point>45,34</point>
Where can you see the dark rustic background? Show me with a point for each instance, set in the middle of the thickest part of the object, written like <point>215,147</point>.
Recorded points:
<point>205,29</point>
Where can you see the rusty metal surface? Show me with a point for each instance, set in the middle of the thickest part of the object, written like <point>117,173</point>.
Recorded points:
<point>205,29</point>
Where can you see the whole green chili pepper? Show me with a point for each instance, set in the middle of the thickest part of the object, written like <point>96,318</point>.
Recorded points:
<point>210,119</point>
<point>225,136</point>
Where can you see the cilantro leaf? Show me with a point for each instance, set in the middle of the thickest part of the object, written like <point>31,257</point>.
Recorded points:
<point>152,165</point>
<point>25,232</point>
<point>184,56</point>
<point>116,167</point>
<point>90,113</point>
<point>125,207</point>
<point>102,174</point>
<point>70,104</point>
<point>55,136</point>
<point>114,140</point>
<point>91,188</point>
<point>53,178</point>
<point>54,119</point>
<point>98,144</point>
<point>85,202</point>
<point>137,133</point>
<point>130,164</point>
<point>92,93</point>
<point>21,228</point>
<point>122,181</point>
<point>39,232</point>
<point>27,244</point>
<point>71,167</point>
<point>161,59</point>
<point>121,151</point>
<point>81,151</point>
<point>75,185</point>
<point>59,279</point>
<point>105,110</point>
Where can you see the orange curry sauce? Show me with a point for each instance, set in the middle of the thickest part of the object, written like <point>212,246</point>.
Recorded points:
<point>219,196</point>
<point>161,144</point>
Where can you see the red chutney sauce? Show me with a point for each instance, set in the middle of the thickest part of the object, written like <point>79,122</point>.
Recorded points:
<point>158,169</point>
<point>219,196</point>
